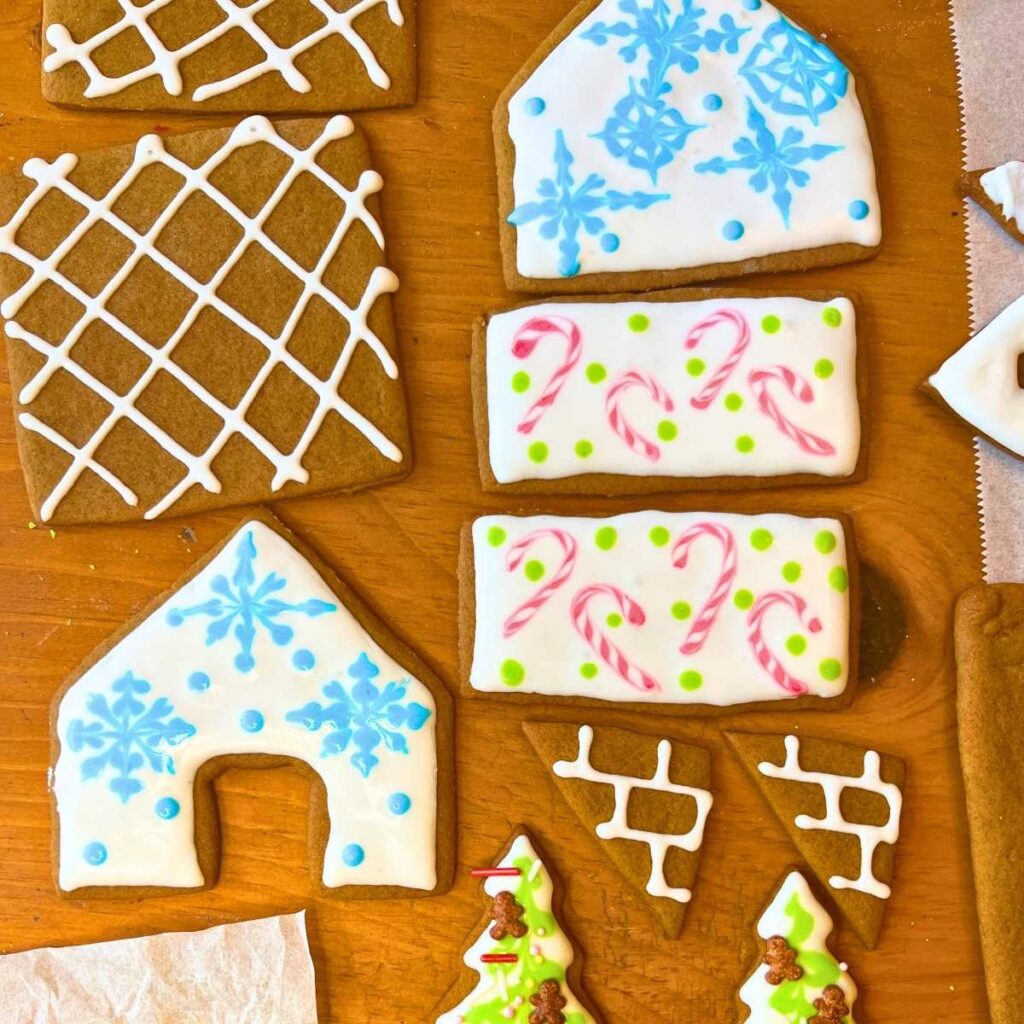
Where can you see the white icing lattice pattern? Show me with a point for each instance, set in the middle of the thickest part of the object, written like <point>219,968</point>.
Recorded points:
<point>617,827</point>
<point>833,786</point>
<point>288,465</point>
<point>166,63</point>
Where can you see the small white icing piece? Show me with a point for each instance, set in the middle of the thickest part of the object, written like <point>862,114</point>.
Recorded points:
<point>1004,185</point>
<point>719,388</point>
<point>870,837</point>
<point>55,178</point>
<point>980,383</point>
<point>661,607</point>
<point>663,135</point>
<point>617,826</point>
<point>254,655</point>
<point>239,21</point>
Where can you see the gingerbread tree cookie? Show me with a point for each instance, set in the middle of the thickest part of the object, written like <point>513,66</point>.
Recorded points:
<point>523,958</point>
<point>841,804</point>
<point>1000,192</point>
<point>647,799</point>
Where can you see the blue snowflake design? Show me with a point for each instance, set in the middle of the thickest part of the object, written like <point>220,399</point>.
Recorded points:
<point>247,606</point>
<point>644,129</point>
<point>794,73</point>
<point>363,717</point>
<point>128,734</point>
<point>772,161</point>
<point>565,208</point>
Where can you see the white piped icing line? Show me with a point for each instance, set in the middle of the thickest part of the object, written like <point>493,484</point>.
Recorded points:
<point>51,178</point>
<point>1004,185</point>
<point>166,63</point>
<point>617,826</point>
<point>254,655</point>
<point>870,837</point>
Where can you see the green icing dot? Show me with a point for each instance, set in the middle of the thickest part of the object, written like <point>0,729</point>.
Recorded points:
<point>606,537</point>
<point>690,680</point>
<point>744,444</point>
<point>832,316</point>
<point>584,449</point>
<point>839,579</point>
<point>695,367</point>
<point>667,430</point>
<point>496,536</point>
<point>538,451</point>
<point>534,571</point>
<point>520,382</point>
<point>512,672</point>
<point>733,402</point>
<point>825,541</point>
<point>681,610</point>
<point>743,599</point>
<point>588,670</point>
<point>791,572</point>
<point>796,644</point>
<point>596,373</point>
<point>614,620</point>
<point>659,536</point>
<point>639,323</point>
<point>771,325</point>
<point>823,369</point>
<point>761,540</point>
<point>830,670</point>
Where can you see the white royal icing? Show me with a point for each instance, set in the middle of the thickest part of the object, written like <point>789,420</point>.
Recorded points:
<point>238,20</point>
<point>664,134</point>
<point>586,607</point>
<point>617,826</point>
<point>254,655</point>
<point>556,406</point>
<point>870,837</point>
<point>778,920</point>
<point>979,381</point>
<point>1004,185</point>
<point>54,178</point>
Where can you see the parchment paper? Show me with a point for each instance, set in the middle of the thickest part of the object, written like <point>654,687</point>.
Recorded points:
<point>989,37</point>
<point>256,972</point>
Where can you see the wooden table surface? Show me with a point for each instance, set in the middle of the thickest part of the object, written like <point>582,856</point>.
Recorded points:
<point>915,515</point>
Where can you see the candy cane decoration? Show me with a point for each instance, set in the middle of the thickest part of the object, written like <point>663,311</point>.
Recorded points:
<point>760,380</point>
<point>526,611</point>
<point>612,404</point>
<point>705,620</point>
<point>527,339</point>
<point>599,642</point>
<point>711,390</point>
<point>762,652</point>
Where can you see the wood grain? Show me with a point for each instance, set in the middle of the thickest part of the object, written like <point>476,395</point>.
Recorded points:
<point>60,596</point>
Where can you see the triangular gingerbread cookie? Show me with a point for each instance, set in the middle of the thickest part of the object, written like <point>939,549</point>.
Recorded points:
<point>1000,192</point>
<point>841,805</point>
<point>647,798</point>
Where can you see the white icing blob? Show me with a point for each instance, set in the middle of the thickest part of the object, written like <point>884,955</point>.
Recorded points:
<point>1004,185</point>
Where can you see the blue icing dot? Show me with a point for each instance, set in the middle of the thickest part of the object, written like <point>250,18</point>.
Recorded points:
<point>303,660</point>
<point>752,5</point>
<point>353,855</point>
<point>859,209</point>
<point>95,854</point>
<point>733,231</point>
<point>251,721</point>
<point>712,102</point>
<point>199,682</point>
<point>399,803</point>
<point>610,242</point>
<point>167,808</point>
<point>535,106</point>
<point>245,662</point>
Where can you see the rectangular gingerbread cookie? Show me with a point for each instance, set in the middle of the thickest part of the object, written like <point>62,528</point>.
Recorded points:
<point>680,390</point>
<point>687,610</point>
<point>221,55</point>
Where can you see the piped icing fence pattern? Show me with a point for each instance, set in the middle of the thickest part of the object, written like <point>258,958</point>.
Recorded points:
<point>662,608</point>
<point>254,655</point>
<point>761,387</point>
<point>722,118</point>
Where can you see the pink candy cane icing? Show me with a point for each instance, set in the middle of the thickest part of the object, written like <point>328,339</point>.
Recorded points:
<point>718,379</point>
<point>764,655</point>
<point>623,383</point>
<point>760,380</point>
<point>599,641</point>
<point>527,339</point>
<point>705,620</point>
<point>526,611</point>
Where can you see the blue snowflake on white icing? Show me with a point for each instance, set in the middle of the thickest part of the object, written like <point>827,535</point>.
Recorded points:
<point>363,717</point>
<point>772,161</point>
<point>565,208</point>
<point>128,734</point>
<point>794,73</point>
<point>248,606</point>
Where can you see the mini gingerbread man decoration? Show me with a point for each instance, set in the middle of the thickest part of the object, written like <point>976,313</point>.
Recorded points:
<point>549,1002</point>
<point>780,959</point>
<point>831,1007</point>
<point>506,914</point>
